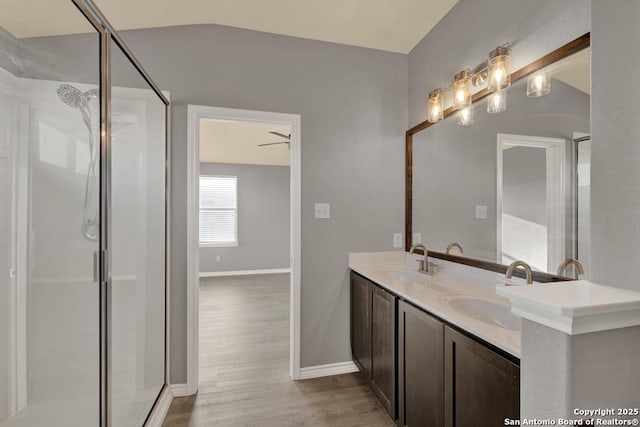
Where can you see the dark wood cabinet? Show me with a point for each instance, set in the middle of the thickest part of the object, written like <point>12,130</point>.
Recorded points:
<point>482,388</point>
<point>361,324</point>
<point>424,372</point>
<point>383,347</point>
<point>373,338</point>
<point>420,368</point>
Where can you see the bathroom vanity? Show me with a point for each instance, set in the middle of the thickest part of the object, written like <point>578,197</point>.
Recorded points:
<point>436,350</point>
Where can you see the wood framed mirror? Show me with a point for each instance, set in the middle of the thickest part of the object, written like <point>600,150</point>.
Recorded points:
<point>513,185</point>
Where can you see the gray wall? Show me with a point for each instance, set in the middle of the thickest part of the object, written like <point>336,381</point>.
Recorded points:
<point>263,219</point>
<point>584,374</point>
<point>353,104</point>
<point>524,185</point>
<point>615,161</point>
<point>454,167</point>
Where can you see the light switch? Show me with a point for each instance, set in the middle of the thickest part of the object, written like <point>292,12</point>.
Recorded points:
<point>481,212</point>
<point>322,210</point>
<point>397,240</point>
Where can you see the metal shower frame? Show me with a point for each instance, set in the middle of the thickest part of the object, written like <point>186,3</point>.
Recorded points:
<point>107,35</point>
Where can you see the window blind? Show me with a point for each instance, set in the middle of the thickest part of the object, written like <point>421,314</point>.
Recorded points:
<point>218,210</point>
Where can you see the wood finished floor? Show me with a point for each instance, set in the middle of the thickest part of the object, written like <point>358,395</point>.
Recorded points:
<point>244,366</point>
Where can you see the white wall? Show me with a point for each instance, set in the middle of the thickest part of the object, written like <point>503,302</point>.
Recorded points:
<point>263,220</point>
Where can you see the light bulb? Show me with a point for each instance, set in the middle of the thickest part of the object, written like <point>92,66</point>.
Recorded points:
<point>434,106</point>
<point>498,68</point>
<point>465,116</point>
<point>538,81</point>
<point>538,85</point>
<point>497,76</point>
<point>461,89</point>
<point>497,102</point>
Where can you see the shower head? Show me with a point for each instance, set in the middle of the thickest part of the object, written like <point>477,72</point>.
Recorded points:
<point>74,97</point>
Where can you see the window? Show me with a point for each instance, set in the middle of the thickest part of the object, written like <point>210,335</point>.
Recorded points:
<point>218,210</point>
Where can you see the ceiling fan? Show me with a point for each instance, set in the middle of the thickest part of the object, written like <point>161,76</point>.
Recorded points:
<point>287,137</point>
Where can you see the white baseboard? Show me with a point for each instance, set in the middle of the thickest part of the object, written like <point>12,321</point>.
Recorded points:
<point>159,412</point>
<point>244,272</point>
<point>179,390</point>
<point>327,370</point>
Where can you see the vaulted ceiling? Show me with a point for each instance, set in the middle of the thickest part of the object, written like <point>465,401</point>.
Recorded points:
<point>391,25</point>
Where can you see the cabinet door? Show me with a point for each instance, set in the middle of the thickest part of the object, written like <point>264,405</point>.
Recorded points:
<point>361,324</point>
<point>482,387</point>
<point>383,348</point>
<point>420,368</point>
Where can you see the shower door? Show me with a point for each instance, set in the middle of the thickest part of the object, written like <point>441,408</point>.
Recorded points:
<point>49,186</point>
<point>137,242</point>
<point>82,222</point>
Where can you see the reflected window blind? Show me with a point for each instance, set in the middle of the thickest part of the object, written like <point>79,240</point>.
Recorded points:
<point>218,210</point>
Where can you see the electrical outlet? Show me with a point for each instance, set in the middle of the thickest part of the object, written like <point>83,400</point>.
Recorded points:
<point>417,238</point>
<point>322,210</point>
<point>481,212</point>
<point>397,240</point>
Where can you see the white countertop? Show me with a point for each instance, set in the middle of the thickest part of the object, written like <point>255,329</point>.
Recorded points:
<point>575,307</point>
<point>451,283</point>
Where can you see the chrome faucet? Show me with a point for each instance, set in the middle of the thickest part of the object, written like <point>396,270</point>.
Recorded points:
<point>454,245</point>
<point>578,269</point>
<point>423,264</point>
<point>525,267</point>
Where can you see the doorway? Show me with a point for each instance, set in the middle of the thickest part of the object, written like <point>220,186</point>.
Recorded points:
<point>531,200</point>
<point>279,131</point>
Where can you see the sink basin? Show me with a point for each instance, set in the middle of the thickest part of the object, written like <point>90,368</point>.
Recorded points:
<point>407,276</point>
<point>487,311</point>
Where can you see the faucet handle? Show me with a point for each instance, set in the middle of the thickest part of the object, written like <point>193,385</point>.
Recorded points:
<point>421,265</point>
<point>432,268</point>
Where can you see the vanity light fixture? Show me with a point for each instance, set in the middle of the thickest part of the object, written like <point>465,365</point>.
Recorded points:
<point>465,116</point>
<point>435,106</point>
<point>462,89</point>
<point>493,72</point>
<point>539,84</point>
<point>499,77</point>
<point>497,102</point>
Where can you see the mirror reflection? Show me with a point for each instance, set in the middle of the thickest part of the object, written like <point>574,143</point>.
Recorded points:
<point>512,185</point>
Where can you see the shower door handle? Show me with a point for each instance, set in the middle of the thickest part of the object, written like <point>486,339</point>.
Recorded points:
<point>96,266</point>
<point>99,262</point>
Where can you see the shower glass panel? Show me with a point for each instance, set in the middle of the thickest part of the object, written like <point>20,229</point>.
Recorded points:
<point>49,177</point>
<point>138,243</point>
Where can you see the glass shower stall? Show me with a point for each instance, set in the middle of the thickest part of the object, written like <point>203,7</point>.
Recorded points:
<point>83,221</point>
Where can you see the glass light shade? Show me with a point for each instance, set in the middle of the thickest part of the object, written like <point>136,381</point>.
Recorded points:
<point>465,116</point>
<point>434,106</point>
<point>461,90</point>
<point>498,65</point>
<point>497,102</point>
<point>539,84</point>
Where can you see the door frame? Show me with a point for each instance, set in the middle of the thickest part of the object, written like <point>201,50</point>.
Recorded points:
<point>194,114</point>
<point>556,184</point>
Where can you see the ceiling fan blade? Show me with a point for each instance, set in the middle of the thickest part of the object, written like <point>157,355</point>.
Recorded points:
<point>280,134</point>
<point>273,143</point>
